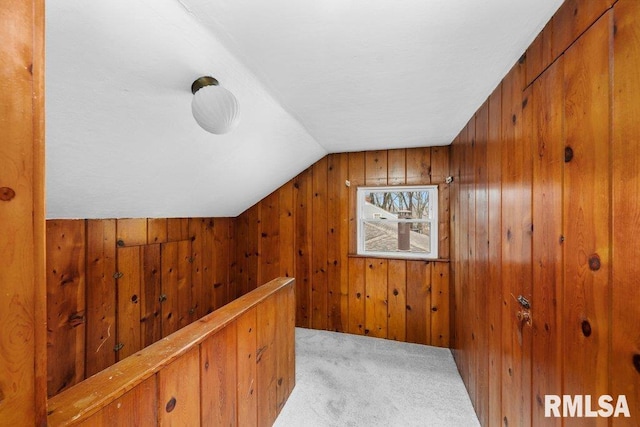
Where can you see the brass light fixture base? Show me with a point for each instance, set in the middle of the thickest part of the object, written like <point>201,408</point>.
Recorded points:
<point>202,82</point>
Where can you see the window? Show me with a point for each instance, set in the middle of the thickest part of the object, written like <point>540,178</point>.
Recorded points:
<point>399,221</point>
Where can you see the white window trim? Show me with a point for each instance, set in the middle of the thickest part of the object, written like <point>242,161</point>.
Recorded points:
<point>433,220</point>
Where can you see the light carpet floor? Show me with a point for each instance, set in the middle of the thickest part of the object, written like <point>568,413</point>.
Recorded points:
<point>351,380</point>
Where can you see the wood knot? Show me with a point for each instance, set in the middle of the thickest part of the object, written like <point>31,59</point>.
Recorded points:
<point>568,154</point>
<point>395,292</point>
<point>7,194</point>
<point>586,328</point>
<point>171,405</point>
<point>594,262</point>
<point>636,362</point>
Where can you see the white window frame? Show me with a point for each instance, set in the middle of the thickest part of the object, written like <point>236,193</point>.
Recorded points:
<point>432,220</point>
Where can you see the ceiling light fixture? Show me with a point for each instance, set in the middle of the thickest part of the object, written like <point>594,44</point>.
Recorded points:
<point>214,107</point>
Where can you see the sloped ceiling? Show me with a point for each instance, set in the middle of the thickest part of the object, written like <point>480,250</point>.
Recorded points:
<point>311,77</point>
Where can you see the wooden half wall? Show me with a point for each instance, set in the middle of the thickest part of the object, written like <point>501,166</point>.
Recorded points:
<point>545,220</point>
<point>306,229</point>
<point>117,286</point>
<point>235,366</point>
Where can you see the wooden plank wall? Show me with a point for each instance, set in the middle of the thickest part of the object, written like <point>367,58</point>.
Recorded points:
<point>306,229</point>
<point>234,367</point>
<point>22,211</point>
<point>124,284</point>
<point>545,206</point>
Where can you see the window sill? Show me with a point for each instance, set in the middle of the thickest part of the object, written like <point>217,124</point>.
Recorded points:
<point>399,258</point>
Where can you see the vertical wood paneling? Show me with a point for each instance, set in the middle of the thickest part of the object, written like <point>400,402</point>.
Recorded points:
<point>198,255</point>
<point>319,288</point>
<point>439,173</point>
<point>220,253</point>
<point>170,300</point>
<point>572,19</point>
<point>179,391</point>
<point>397,300</point>
<point>356,178</point>
<point>247,414</point>
<point>376,297</point>
<point>177,229</point>
<point>65,304</point>
<point>440,309</point>
<point>494,256</point>
<point>396,166</point>
<point>23,366</point>
<point>183,277</point>
<point>266,362</point>
<point>101,295</point>
<point>625,359</point>
<point>218,369</point>
<point>242,240</point>
<point>418,302</point>
<point>137,404</point>
<point>480,259</point>
<point>356,296</point>
<point>131,231</point>
<point>287,231</point>
<point>253,248</point>
<point>281,331</point>
<point>151,289</point>
<point>269,238</point>
<point>418,166</point>
<point>129,292</point>
<point>516,249</point>
<point>338,242</point>
<point>548,110</point>
<point>303,244</point>
<point>376,167</point>
<point>587,214</point>
<point>156,230</point>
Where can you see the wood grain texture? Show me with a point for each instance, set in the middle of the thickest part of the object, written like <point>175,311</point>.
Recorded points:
<point>625,357</point>
<point>170,292</point>
<point>560,192</point>
<point>357,296</point>
<point>156,230</point>
<point>397,300</point>
<point>375,167</point>
<point>376,297</point>
<point>269,238</point>
<point>338,242</point>
<point>150,291</point>
<point>101,295</point>
<point>179,390</point>
<point>137,404</point>
<point>440,305</point>
<point>177,229</point>
<point>247,395</point>
<point>221,262</point>
<point>131,231</point>
<point>218,376</point>
<point>129,340</point>
<point>172,360</point>
<point>183,276</point>
<point>266,362</point>
<point>66,317</point>
<point>586,207</point>
<point>548,113</point>
<point>418,166</point>
<point>494,256</point>
<point>303,244</point>
<point>319,287</point>
<point>396,166</point>
<point>418,302</point>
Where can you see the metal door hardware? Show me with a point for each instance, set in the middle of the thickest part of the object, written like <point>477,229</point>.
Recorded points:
<point>524,302</point>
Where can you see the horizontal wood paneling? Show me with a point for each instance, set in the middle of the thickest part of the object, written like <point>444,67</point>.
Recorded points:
<point>336,291</point>
<point>139,279</point>
<point>559,214</point>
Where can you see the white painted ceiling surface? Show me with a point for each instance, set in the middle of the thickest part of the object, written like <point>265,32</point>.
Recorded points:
<point>311,77</point>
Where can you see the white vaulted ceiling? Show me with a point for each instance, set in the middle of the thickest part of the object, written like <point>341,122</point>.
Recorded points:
<point>311,77</point>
